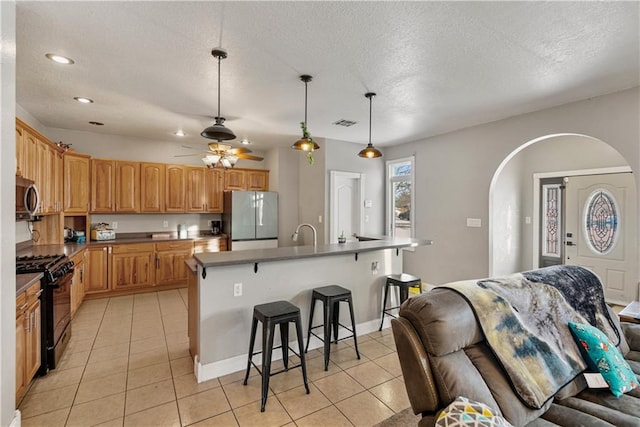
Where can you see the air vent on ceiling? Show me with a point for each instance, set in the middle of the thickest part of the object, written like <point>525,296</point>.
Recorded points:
<point>345,123</point>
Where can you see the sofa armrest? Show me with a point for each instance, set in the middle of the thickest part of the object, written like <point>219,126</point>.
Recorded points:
<point>416,369</point>
<point>631,334</point>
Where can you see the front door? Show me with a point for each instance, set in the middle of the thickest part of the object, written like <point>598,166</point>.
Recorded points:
<point>600,231</point>
<point>346,202</point>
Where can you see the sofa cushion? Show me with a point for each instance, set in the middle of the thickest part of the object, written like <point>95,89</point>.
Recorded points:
<point>604,413</point>
<point>604,357</point>
<point>569,417</point>
<point>463,411</point>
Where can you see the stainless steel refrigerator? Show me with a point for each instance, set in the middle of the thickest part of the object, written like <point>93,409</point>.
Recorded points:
<point>250,219</point>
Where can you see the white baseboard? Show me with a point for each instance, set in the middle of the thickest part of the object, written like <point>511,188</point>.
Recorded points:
<point>17,419</point>
<point>209,371</point>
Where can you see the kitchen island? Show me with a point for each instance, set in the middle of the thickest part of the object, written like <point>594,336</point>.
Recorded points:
<point>228,284</point>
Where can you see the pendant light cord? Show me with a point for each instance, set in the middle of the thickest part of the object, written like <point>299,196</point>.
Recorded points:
<point>370,109</point>
<point>219,59</point>
<point>305,102</point>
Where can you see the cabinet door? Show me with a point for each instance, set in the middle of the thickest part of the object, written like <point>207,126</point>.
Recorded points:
<point>214,186</point>
<point>20,169</point>
<point>132,270</point>
<point>21,355</point>
<point>152,187</point>
<point>102,179</point>
<point>77,283</point>
<point>171,268</point>
<point>33,354</point>
<point>56,176</point>
<point>127,186</point>
<point>76,183</point>
<point>42,175</point>
<point>29,152</point>
<point>234,180</point>
<point>175,188</point>
<point>97,270</point>
<point>257,180</point>
<point>195,189</point>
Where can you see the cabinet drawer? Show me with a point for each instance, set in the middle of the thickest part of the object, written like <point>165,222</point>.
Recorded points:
<point>132,248</point>
<point>174,246</point>
<point>33,293</point>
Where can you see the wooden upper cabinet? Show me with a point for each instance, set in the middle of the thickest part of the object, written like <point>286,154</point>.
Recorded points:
<point>152,187</point>
<point>195,189</point>
<point>115,186</point>
<point>257,180</point>
<point>235,179</point>
<point>246,179</point>
<point>19,149</point>
<point>214,188</point>
<point>29,154</point>
<point>76,183</point>
<point>175,187</point>
<point>102,179</point>
<point>127,186</point>
<point>56,174</point>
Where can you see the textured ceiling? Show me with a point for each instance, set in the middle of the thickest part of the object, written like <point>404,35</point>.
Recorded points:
<point>436,66</point>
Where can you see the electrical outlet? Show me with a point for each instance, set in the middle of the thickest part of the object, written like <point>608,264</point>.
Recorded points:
<point>237,289</point>
<point>374,267</point>
<point>114,225</point>
<point>165,224</point>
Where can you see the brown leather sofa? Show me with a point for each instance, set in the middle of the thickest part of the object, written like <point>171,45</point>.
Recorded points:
<point>443,354</point>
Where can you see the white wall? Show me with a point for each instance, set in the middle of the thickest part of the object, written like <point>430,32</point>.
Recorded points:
<point>311,193</point>
<point>454,172</point>
<point>7,210</point>
<point>282,163</point>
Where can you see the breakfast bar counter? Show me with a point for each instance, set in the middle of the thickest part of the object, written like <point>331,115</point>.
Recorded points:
<point>230,284</point>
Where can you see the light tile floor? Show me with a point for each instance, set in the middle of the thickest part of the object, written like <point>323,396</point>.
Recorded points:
<point>128,364</point>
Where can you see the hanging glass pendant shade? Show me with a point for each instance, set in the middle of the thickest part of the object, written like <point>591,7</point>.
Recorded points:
<point>306,143</point>
<point>218,130</point>
<point>370,151</point>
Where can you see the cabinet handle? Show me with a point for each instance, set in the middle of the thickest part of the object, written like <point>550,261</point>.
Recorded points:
<point>39,293</point>
<point>157,262</point>
<point>27,323</point>
<point>23,306</point>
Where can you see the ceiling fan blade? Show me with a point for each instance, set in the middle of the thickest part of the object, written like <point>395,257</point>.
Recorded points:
<point>238,150</point>
<point>192,155</point>
<point>249,157</point>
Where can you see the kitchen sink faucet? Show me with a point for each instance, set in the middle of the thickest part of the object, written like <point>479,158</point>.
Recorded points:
<point>294,236</point>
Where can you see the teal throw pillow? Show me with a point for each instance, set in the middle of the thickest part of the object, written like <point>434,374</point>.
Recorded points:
<point>600,355</point>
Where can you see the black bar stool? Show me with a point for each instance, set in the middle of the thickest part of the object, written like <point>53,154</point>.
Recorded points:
<point>331,297</point>
<point>272,314</point>
<point>403,282</point>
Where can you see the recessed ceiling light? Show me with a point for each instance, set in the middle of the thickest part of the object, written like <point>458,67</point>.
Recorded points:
<point>59,59</point>
<point>245,141</point>
<point>96,123</point>
<point>83,100</point>
<point>179,133</point>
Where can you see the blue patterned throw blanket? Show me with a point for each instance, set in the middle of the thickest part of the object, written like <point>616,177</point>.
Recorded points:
<point>524,318</point>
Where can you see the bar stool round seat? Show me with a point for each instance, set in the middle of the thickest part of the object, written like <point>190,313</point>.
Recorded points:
<point>331,296</point>
<point>403,282</point>
<point>273,314</point>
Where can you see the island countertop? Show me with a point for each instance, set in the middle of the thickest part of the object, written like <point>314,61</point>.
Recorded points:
<point>296,252</point>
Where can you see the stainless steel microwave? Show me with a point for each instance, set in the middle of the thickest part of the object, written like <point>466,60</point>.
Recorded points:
<point>27,199</point>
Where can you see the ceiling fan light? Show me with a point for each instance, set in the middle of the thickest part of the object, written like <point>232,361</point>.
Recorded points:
<point>232,160</point>
<point>305,144</point>
<point>225,162</point>
<point>370,152</point>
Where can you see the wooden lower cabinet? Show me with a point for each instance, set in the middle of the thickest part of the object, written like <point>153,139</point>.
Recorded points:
<point>97,270</point>
<point>132,266</point>
<point>170,266</point>
<point>77,283</point>
<point>210,245</point>
<point>28,330</point>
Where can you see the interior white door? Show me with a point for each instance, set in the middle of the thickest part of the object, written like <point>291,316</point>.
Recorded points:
<point>601,231</point>
<point>346,202</point>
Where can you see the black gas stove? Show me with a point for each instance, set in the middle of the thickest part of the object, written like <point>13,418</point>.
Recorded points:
<point>55,303</point>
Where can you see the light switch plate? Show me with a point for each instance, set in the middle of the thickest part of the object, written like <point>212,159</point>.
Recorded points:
<point>474,222</point>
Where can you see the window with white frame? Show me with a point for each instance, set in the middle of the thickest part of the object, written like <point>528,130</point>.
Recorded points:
<point>400,198</point>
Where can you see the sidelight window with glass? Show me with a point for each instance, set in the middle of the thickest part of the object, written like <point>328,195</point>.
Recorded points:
<point>400,197</point>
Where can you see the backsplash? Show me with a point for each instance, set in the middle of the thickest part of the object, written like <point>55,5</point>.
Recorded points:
<point>137,223</point>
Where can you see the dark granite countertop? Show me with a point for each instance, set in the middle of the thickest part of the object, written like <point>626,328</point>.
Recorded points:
<point>217,259</point>
<point>23,281</point>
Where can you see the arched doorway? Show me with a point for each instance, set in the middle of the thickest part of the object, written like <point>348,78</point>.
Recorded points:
<point>514,218</point>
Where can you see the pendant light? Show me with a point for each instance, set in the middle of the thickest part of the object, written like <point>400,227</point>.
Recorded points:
<point>370,151</point>
<point>306,143</point>
<point>218,131</point>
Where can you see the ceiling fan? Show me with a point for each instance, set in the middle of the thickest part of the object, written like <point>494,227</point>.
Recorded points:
<point>223,155</point>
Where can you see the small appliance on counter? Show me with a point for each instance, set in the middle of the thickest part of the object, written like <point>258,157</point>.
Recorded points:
<point>101,231</point>
<point>77,236</point>
<point>216,227</point>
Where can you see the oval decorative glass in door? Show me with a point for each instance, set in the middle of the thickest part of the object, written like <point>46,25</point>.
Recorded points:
<point>601,219</point>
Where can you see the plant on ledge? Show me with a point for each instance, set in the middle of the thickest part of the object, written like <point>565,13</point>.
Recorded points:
<point>306,135</point>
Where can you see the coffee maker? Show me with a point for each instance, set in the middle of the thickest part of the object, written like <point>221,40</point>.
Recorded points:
<point>216,227</point>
